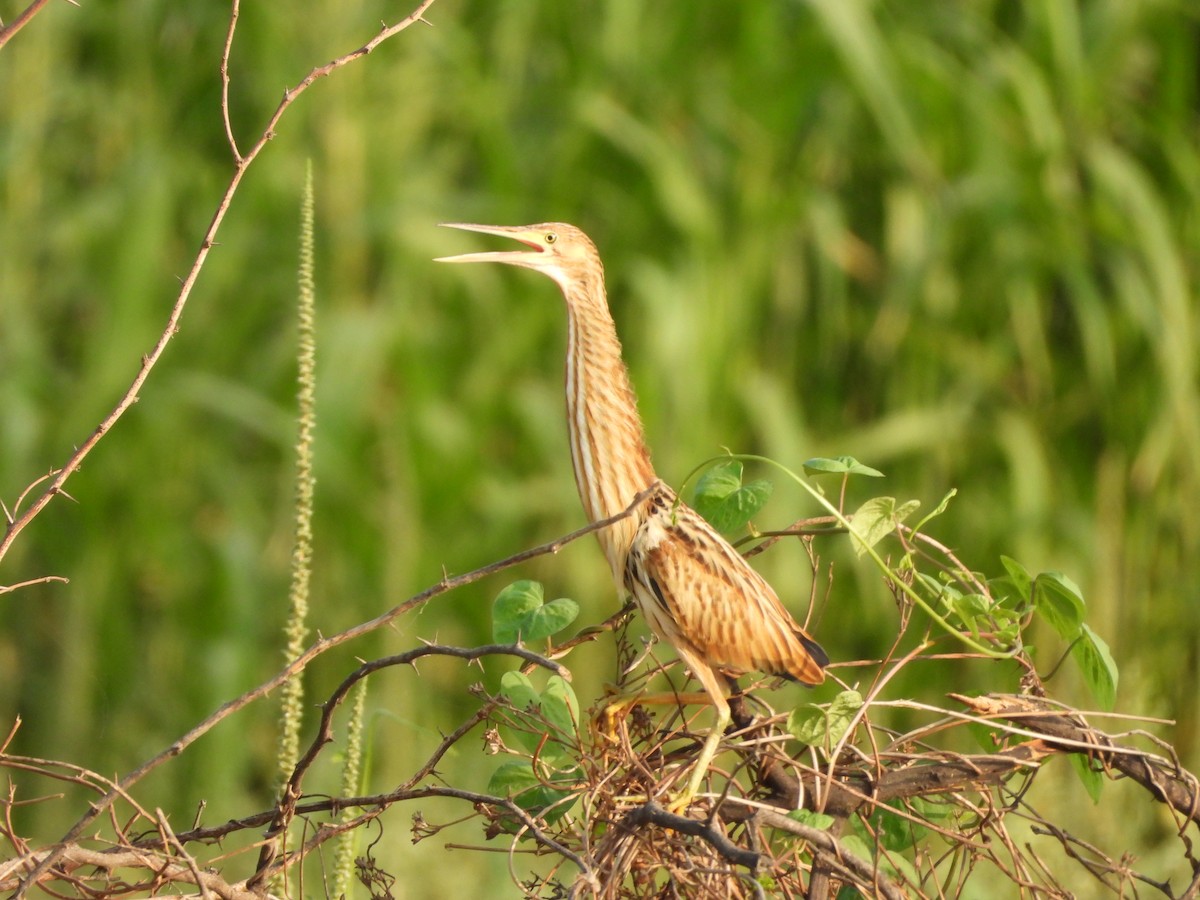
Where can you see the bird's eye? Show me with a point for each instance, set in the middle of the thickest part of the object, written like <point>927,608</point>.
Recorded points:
<point>551,237</point>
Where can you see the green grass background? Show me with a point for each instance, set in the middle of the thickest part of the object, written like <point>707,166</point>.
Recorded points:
<point>956,240</point>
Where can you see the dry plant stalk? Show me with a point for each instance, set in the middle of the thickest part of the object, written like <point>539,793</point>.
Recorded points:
<point>610,834</point>
<point>869,784</point>
<point>607,832</point>
<point>58,477</point>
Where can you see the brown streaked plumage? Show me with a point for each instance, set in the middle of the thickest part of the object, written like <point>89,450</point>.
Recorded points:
<point>693,587</point>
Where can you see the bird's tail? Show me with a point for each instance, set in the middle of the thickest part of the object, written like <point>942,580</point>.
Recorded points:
<point>807,667</point>
<point>815,650</point>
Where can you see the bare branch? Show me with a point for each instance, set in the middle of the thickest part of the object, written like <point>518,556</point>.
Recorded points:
<point>189,282</point>
<point>832,853</point>
<point>291,792</point>
<point>163,869</point>
<point>1166,781</point>
<point>45,579</point>
<point>652,814</point>
<point>8,32</point>
<point>318,648</point>
<point>234,10</point>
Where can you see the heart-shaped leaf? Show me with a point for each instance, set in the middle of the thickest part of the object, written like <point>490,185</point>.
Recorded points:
<point>876,519</point>
<point>518,614</point>
<point>723,500</point>
<point>511,609</point>
<point>549,619</point>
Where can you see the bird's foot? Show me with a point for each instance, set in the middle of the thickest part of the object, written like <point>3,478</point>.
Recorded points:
<point>614,708</point>
<point>681,803</point>
<point>612,711</point>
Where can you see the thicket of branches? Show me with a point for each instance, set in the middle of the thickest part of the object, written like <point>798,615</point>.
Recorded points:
<point>892,796</point>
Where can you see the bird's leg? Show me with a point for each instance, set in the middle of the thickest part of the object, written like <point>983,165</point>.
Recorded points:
<point>613,707</point>
<point>712,683</point>
<point>680,804</point>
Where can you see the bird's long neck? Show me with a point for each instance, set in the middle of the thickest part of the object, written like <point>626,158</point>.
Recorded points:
<point>608,443</point>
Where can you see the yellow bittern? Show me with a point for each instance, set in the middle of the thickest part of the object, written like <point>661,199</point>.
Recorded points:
<point>695,590</point>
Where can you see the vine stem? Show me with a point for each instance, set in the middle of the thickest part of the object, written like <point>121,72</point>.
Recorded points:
<point>845,522</point>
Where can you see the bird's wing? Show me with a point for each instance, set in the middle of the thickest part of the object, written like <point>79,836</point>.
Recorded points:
<point>696,589</point>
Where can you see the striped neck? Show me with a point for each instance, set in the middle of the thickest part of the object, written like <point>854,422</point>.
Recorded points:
<point>608,443</point>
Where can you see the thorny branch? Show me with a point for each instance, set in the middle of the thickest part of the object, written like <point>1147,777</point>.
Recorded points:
<point>292,790</point>
<point>208,241</point>
<point>620,830</point>
<point>316,649</point>
<point>8,32</point>
<point>1165,780</point>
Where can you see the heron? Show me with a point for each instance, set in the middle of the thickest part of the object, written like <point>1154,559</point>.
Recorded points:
<point>694,589</point>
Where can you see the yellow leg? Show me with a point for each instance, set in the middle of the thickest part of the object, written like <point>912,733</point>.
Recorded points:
<point>700,768</point>
<point>622,703</point>
<point>711,683</point>
<point>713,693</point>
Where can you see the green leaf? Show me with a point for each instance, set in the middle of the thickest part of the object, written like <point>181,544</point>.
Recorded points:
<point>518,781</point>
<point>741,506</point>
<point>824,727</point>
<point>807,725</point>
<point>549,619</point>
<point>876,519</point>
<point>856,846</point>
<point>862,843</point>
<point>937,510</point>
<point>841,465</point>
<point>511,778</point>
<point>716,484</point>
<point>895,832</point>
<point>1093,779</point>
<point>900,868</point>
<point>985,736</point>
<point>1099,669</point>
<point>723,500</point>
<point>939,589</point>
<point>933,810</point>
<point>510,609</point>
<point>554,728</point>
<point>842,709</point>
<point>974,604</point>
<point>968,608</point>
<point>518,614</point>
<point>560,708</point>
<point>1019,576</point>
<point>517,689</point>
<point>812,819</point>
<point>1059,601</point>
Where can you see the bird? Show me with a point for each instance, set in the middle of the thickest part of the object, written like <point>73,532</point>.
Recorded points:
<point>696,592</point>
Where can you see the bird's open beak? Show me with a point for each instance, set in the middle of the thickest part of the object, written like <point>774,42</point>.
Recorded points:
<point>515,257</point>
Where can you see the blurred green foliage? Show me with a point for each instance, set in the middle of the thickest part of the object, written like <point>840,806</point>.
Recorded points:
<point>957,241</point>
